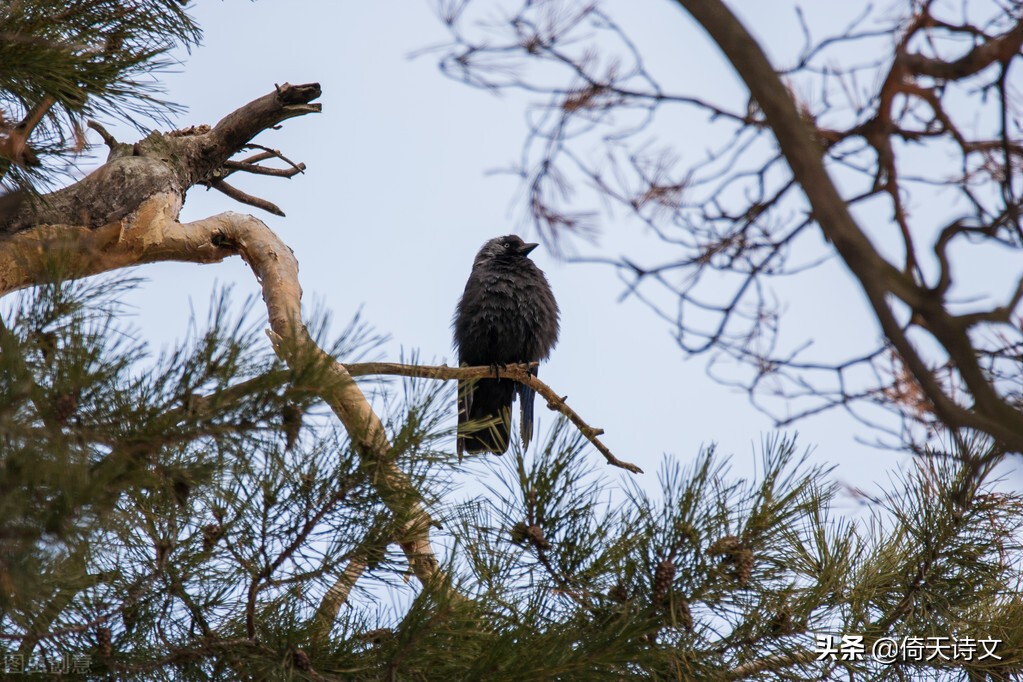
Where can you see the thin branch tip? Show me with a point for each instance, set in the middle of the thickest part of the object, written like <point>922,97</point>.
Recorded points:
<point>519,372</point>
<point>108,139</point>
<point>246,198</point>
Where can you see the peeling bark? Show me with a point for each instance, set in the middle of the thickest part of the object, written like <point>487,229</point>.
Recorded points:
<point>162,162</point>
<point>126,214</point>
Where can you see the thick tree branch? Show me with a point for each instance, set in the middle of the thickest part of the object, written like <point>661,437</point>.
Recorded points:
<point>236,129</point>
<point>151,234</point>
<point>878,278</point>
<point>161,163</point>
<point>337,595</point>
<point>999,49</point>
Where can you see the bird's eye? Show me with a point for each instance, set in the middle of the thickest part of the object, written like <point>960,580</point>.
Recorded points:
<point>507,245</point>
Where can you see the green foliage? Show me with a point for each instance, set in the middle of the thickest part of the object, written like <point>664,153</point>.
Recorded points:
<point>154,491</point>
<point>163,516</point>
<point>90,58</point>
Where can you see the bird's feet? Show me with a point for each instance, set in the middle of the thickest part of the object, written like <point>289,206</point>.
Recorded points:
<point>497,367</point>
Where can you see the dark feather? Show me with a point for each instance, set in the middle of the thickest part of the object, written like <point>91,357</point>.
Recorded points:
<point>507,314</point>
<point>526,396</point>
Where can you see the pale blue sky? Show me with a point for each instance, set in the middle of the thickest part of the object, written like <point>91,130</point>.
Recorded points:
<point>397,200</point>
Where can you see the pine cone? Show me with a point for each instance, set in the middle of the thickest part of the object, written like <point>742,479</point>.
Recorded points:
<point>182,487</point>
<point>64,407</point>
<point>664,576</point>
<point>535,535</point>
<point>687,532</point>
<point>46,341</point>
<point>210,534</point>
<point>291,422</point>
<point>736,555</point>
<point>728,545</point>
<point>519,533</point>
<point>781,622</point>
<point>301,660</point>
<point>618,593</point>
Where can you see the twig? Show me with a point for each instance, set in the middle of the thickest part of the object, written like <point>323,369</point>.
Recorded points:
<point>264,170</point>
<point>516,372</point>
<point>245,198</point>
<point>14,144</point>
<point>269,153</point>
<point>262,156</point>
<point>108,139</point>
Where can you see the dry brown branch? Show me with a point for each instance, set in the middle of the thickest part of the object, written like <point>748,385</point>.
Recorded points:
<point>245,198</point>
<point>108,139</point>
<point>268,153</point>
<point>14,141</point>
<point>152,234</point>
<point>519,373</point>
<point>160,163</point>
<point>999,49</point>
<point>877,277</point>
<point>264,170</point>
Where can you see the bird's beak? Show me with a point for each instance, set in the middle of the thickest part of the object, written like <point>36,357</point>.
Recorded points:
<point>527,248</point>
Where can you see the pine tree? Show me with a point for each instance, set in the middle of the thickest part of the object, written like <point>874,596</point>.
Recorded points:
<point>236,509</point>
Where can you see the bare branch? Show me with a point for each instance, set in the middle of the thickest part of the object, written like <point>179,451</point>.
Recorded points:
<point>264,170</point>
<point>876,276</point>
<point>245,198</point>
<point>166,163</point>
<point>14,141</point>
<point>108,139</point>
<point>515,372</point>
<point>999,49</point>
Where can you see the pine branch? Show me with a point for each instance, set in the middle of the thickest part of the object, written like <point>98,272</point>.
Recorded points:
<point>153,234</point>
<point>337,595</point>
<point>770,664</point>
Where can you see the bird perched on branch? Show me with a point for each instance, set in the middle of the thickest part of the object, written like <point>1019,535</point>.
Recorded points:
<point>507,314</point>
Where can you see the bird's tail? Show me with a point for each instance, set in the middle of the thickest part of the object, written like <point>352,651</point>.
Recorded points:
<point>526,395</point>
<point>484,416</point>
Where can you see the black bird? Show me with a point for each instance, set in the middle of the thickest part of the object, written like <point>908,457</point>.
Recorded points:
<point>507,314</point>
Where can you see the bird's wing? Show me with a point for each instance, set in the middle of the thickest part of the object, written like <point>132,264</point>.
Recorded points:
<point>526,395</point>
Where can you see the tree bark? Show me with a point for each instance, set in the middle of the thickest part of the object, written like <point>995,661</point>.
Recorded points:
<point>126,213</point>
